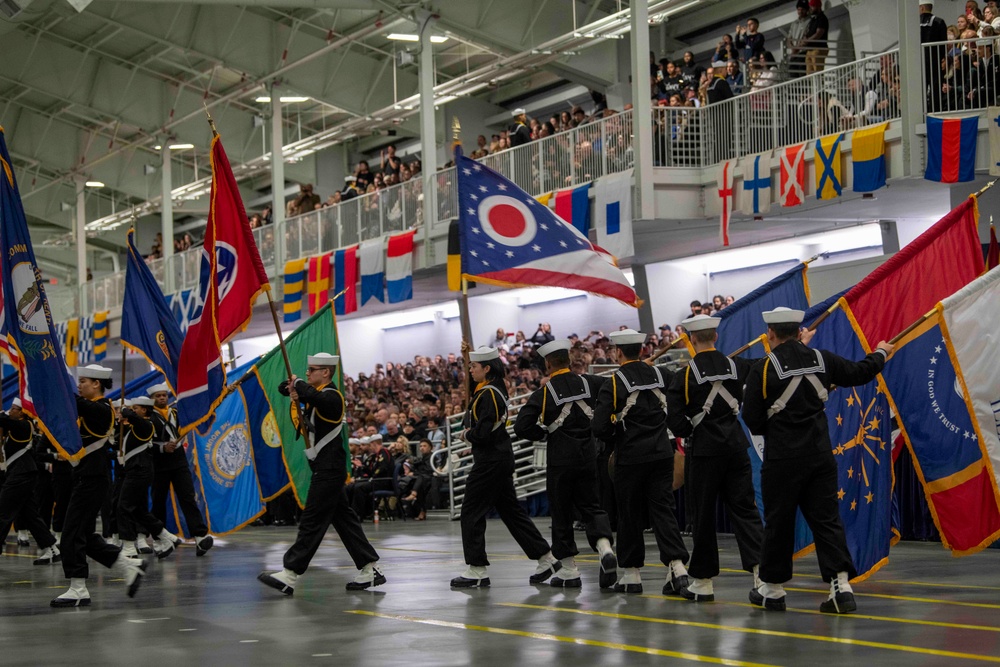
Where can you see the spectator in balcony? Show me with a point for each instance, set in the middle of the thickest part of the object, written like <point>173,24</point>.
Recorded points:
<point>691,70</point>
<point>984,80</point>
<point>748,41</point>
<point>766,72</point>
<point>725,50</point>
<point>673,81</point>
<point>255,222</point>
<point>350,190</point>
<point>565,121</point>
<point>363,175</point>
<point>717,89</point>
<point>519,133</point>
<point>816,38</point>
<point>934,29</point>
<point>266,214</point>
<point>482,149</point>
<point>391,164</point>
<point>734,77</point>
<point>961,24</point>
<point>796,40</point>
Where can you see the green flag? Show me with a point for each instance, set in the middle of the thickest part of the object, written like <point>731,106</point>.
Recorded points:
<point>317,334</point>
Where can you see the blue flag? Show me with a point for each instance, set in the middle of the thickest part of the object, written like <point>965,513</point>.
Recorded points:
<point>225,467</point>
<point>149,327</point>
<point>861,434</point>
<point>265,436</point>
<point>27,334</point>
<point>743,321</point>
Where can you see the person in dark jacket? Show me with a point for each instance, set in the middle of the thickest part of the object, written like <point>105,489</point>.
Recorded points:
<point>783,402</point>
<point>703,405</point>
<point>17,497</point>
<point>91,483</point>
<point>559,414</point>
<point>519,134</point>
<point>490,483</point>
<point>631,416</point>
<point>323,411</point>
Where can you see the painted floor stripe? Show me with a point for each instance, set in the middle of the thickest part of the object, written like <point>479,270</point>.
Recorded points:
<point>556,638</point>
<point>905,598</point>
<point>758,631</point>
<point>860,617</point>
<point>897,582</point>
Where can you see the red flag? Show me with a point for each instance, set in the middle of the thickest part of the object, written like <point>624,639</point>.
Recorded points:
<point>319,281</point>
<point>232,277</point>
<point>936,264</point>
<point>793,175</point>
<point>993,254</point>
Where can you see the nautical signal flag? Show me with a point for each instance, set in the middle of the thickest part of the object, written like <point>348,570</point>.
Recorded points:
<point>829,176</point>
<point>100,335</point>
<point>295,276</point>
<point>508,238</point>
<point>399,267</point>
<point>319,281</point>
<point>756,196</point>
<point>993,116</point>
<point>613,213</point>
<point>72,342</point>
<point>726,199</point>
<point>345,280</point>
<point>792,186</point>
<point>372,259</point>
<point>573,206</point>
<point>868,158</point>
<point>951,149</point>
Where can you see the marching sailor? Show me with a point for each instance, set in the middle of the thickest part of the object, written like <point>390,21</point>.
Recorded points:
<point>703,405</point>
<point>631,417</point>
<point>17,497</point>
<point>136,467</point>
<point>783,401</point>
<point>490,483</point>
<point>323,410</point>
<point>559,413</point>
<point>170,468</point>
<point>91,483</point>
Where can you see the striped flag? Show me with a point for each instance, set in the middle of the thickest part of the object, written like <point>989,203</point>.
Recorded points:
<point>345,280</point>
<point>72,342</point>
<point>399,267</point>
<point>319,281</point>
<point>372,258</point>
<point>100,335</point>
<point>295,275</point>
<point>85,347</point>
<point>951,149</point>
<point>573,206</point>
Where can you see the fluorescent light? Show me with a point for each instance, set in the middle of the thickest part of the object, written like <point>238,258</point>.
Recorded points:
<point>180,147</point>
<point>286,99</point>
<point>94,184</point>
<point>410,37</point>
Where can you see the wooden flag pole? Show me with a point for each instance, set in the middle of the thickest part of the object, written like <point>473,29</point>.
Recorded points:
<point>755,341</point>
<point>121,341</point>
<point>463,312</point>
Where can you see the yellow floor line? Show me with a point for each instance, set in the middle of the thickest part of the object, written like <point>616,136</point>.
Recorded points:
<point>557,638</point>
<point>893,581</point>
<point>905,598</point>
<point>860,617</point>
<point>757,631</point>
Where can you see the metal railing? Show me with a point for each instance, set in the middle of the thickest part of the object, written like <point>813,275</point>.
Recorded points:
<point>960,75</point>
<point>862,93</point>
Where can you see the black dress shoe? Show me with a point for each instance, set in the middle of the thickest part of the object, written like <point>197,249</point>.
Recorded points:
<point>280,586</point>
<point>364,585</point>
<point>842,603</point>
<point>697,597</point>
<point>609,570</point>
<point>627,588</point>
<point>559,582</point>
<point>23,543</point>
<point>675,585</point>
<point>542,576</point>
<point>62,603</point>
<point>133,588</point>
<point>203,545</point>
<point>463,582</point>
<point>771,604</point>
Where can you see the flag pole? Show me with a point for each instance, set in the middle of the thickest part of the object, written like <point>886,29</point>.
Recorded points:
<point>121,396</point>
<point>300,426</point>
<point>923,318</point>
<point>463,301</point>
<point>985,188</point>
<point>755,341</point>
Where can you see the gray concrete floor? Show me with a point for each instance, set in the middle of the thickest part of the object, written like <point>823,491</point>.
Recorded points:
<point>923,608</point>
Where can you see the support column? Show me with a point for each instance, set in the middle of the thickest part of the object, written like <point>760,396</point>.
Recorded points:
<point>81,244</point>
<point>646,322</point>
<point>912,90</point>
<point>277,181</point>
<point>167,217</point>
<point>428,133</point>
<point>642,126</point>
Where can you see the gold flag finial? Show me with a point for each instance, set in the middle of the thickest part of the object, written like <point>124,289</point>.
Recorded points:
<point>456,131</point>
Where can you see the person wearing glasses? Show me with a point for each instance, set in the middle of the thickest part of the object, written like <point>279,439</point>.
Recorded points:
<point>322,410</point>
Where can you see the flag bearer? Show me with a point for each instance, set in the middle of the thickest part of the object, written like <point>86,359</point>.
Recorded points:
<point>91,481</point>
<point>323,411</point>
<point>783,402</point>
<point>559,413</point>
<point>631,416</point>
<point>703,405</point>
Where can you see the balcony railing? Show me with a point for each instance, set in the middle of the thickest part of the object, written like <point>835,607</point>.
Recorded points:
<point>960,75</point>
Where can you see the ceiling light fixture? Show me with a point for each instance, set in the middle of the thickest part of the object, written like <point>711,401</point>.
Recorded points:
<point>410,37</point>
<point>94,184</point>
<point>285,99</point>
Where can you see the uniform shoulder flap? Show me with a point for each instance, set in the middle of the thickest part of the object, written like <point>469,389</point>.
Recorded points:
<point>568,388</point>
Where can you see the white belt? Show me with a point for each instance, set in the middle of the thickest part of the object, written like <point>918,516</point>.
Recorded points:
<point>137,450</point>
<point>15,457</point>
<point>90,449</point>
<point>313,452</point>
<point>786,395</point>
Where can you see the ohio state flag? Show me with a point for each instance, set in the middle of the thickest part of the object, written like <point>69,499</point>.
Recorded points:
<point>726,196</point>
<point>232,277</point>
<point>793,175</point>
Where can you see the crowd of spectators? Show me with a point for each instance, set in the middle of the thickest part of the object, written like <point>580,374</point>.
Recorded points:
<point>962,67</point>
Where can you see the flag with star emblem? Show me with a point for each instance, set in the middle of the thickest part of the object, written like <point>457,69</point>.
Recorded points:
<point>946,392</point>
<point>508,238</point>
<point>861,434</point>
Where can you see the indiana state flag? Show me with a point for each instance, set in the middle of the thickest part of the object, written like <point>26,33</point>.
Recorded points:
<point>743,321</point>
<point>148,324</point>
<point>861,434</point>
<point>944,383</point>
<point>868,158</point>
<point>829,176</point>
<point>225,467</point>
<point>27,333</point>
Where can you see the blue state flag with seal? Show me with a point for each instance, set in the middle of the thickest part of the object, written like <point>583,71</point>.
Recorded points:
<point>743,320</point>
<point>224,465</point>
<point>149,326</point>
<point>265,435</point>
<point>27,333</point>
